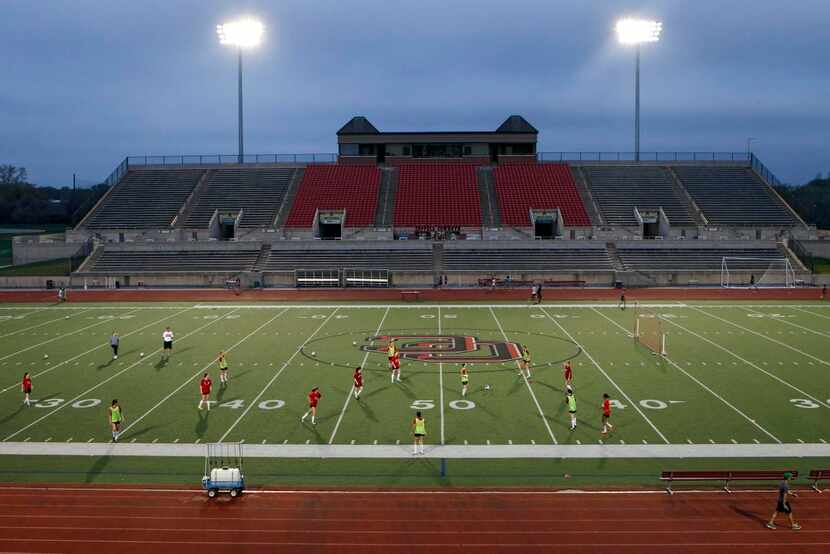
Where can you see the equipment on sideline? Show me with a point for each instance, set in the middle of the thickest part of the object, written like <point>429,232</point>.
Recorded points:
<point>648,330</point>
<point>756,272</point>
<point>223,469</point>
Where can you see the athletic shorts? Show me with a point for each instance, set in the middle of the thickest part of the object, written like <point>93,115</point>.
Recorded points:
<point>168,345</point>
<point>606,417</point>
<point>117,424</point>
<point>312,405</point>
<point>223,369</point>
<point>572,411</point>
<point>783,508</point>
<point>28,390</point>
<point>419,434</point>
<point>569,375</point>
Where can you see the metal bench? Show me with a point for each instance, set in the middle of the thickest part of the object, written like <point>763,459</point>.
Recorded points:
<point>725,475</point>
<point>817,475</point>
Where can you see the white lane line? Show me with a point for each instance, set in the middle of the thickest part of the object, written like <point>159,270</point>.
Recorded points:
<point>529,388</point>
<point>441,382</point>
<point>610,380</point>
<point>274,378</point>
<point>765,337</point>
<point>63,336</point>
<point>56,366</point>
<point>62,318</point>
<point>705,387</point>
<point>190,379</point>
<point>780,320</point>
<point>105,381</point>
<point>747,362</point>
<point>351,390</point>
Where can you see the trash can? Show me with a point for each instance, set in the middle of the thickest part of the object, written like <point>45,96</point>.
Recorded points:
<point>50,284</point>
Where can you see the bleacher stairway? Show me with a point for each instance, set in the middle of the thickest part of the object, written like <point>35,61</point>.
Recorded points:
<point>386,197</point>
<point>490,213</point>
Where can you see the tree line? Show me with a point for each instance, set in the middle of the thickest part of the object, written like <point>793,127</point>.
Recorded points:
<point>811,201</point>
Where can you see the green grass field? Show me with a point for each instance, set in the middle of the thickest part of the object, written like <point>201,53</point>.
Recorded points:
<point>734,374</point>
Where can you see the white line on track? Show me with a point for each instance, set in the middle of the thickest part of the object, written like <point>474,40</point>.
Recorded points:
<point>763,336</point>
<point>529,388</point>
<point>610,380</point>
<point>441,381</point>
<point>747,362</point>
<point>62,318</point>
<point>105,381</point>
<point>704,386</point>
<point>351,390</point>
<point>274,378</point>
<point>790,323</point>
<point>63,336</point>
<point>190,379</point>
<point>56,366</point>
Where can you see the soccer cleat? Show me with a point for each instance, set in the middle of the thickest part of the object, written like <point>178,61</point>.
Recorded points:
<point>796,527</point>
<point>771,526</point>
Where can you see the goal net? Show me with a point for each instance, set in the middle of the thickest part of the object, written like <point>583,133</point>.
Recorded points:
<point>756,272</point>
<point>648,330</point>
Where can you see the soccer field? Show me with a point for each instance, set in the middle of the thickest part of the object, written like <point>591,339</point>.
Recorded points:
<point>734,374</point>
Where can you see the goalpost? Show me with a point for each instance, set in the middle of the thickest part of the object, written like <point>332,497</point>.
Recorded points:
<point>648,330</point>
<point>738,272</point>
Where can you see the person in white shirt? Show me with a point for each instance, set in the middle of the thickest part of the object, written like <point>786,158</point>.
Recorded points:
<point>167,348</point>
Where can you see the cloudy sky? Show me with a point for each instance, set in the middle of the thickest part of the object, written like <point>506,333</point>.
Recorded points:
<point>84,83</point>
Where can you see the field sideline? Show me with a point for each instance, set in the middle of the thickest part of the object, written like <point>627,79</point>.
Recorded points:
<point>735,374</point>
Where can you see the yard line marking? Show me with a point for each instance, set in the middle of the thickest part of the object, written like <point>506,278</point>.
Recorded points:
<point>756,441</point>
<point>763,336</point>
<point>27,439</point>
<point>351,390</point>
<point>177,440</point>
<point>711,441</point>
<point>189,381</point>
<point>734,441</point>
<point>799,440</point>
<point>823,441</point>
<point>825,335</point>
<point>747,362</point>
<point>197,441</point>
<point>610,380</point>
<point>61,336</point>
<point>689,441</point>
<point>62,318</point>
<point>529,388</point>
<point>809,312</point>
<point>706,387</point>
<point>56,366</point>
<point>107,380</point>
<point>155,440</point>
<point>277,374</point>
<point>90,440</point>
<point>441,382</point>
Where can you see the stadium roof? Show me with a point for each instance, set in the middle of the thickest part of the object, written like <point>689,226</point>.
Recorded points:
<point>359,125</point>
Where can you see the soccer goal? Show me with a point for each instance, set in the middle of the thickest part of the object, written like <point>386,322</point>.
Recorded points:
<point>758,272</point>
<point>648,330</point>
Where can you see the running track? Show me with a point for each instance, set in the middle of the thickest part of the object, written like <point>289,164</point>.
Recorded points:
<point>75,519</point>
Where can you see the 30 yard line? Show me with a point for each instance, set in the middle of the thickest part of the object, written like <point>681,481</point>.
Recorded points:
<point>62,318</point>
<point>704,386</point>
<point>16,385</point>
<point>610,380</point>
<point>76,331</point>
<point>105,381</point>
<point>747,362</point>
<point>351,390</point>
<point>205,368</point>
<point>274,378</point>
<point>529,388</point>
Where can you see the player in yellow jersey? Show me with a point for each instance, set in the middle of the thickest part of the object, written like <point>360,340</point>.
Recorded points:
<point>419,431</point>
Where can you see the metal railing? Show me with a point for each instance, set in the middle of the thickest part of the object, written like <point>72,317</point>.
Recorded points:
<point>765,173</point>
<point>644,156</point>
<point>227,159</point>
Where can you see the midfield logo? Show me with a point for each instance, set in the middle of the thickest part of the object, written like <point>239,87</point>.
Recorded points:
<point>446,349</point>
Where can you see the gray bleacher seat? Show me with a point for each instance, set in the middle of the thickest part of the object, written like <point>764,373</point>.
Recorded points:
<point>527,259</point>
<point>391,259</point>
<point>675,259</point>
<point>144,261</point>
<point>730,195</point>
<point>619,189</point>
<point>258,192</point>
<point>145,199</point>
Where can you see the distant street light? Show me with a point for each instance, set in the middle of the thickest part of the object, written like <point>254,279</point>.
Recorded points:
<point>636,32</point>
<point>242,33</point>
<point>749,141</point>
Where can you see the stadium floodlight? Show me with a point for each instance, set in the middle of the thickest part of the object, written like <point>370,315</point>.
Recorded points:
<point>243,33</point>
<point>636,32</point>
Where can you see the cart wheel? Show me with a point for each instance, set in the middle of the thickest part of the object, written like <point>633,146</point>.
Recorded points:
<point>234,493</point>
<point>211,493</point>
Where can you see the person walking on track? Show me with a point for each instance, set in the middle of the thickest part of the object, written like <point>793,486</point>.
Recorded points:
<point>783,506</point>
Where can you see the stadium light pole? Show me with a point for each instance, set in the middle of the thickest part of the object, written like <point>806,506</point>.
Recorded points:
<point>636,32</point>
<point>242,33</point>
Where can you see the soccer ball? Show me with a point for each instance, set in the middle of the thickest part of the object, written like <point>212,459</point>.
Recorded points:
<point>45,356</point>
<point>354,343</point>
<point>142,354</point>
<point>314,353</point>
<point>67,317</point>
<point>486,387</point>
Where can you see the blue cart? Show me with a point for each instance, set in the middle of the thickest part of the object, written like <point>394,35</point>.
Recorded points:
<point>223,470</point>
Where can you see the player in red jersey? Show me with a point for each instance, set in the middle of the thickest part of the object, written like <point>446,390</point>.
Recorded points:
<point>313,397</point>
<point>606,414</point>
<point>394,360</point>
<point>204,386</point>
<point>568,373</point>
<point>26,387</point>
<point>358,382</point>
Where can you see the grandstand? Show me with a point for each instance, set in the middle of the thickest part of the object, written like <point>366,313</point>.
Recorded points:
<point>431,194</point>
<point>695,257</point>
<point>120,261</point>
<point>522,188</point>
<point>349,190</point>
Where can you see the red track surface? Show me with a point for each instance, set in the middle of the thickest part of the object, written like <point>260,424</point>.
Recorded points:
<point>380,295</point>
<point>125,521</point>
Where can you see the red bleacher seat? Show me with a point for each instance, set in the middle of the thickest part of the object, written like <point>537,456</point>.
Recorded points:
<point>520,188</point>
<point>437,194</point>
<point>353,188</point>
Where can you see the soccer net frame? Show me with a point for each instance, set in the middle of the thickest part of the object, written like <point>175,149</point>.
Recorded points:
<point>768,272</point>
<point>648,330</point>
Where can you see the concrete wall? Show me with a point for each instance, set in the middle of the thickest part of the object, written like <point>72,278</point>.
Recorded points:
<point>30,252</point>
<point>33,282</point>
<point>819,248</point>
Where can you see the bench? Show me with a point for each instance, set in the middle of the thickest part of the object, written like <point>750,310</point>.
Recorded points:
<point>726,476</point>
<point>410,295</point>
<point>817,475</point>
<point>576,283</point>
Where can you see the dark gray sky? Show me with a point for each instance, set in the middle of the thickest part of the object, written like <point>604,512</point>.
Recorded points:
<point>85,83</point>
